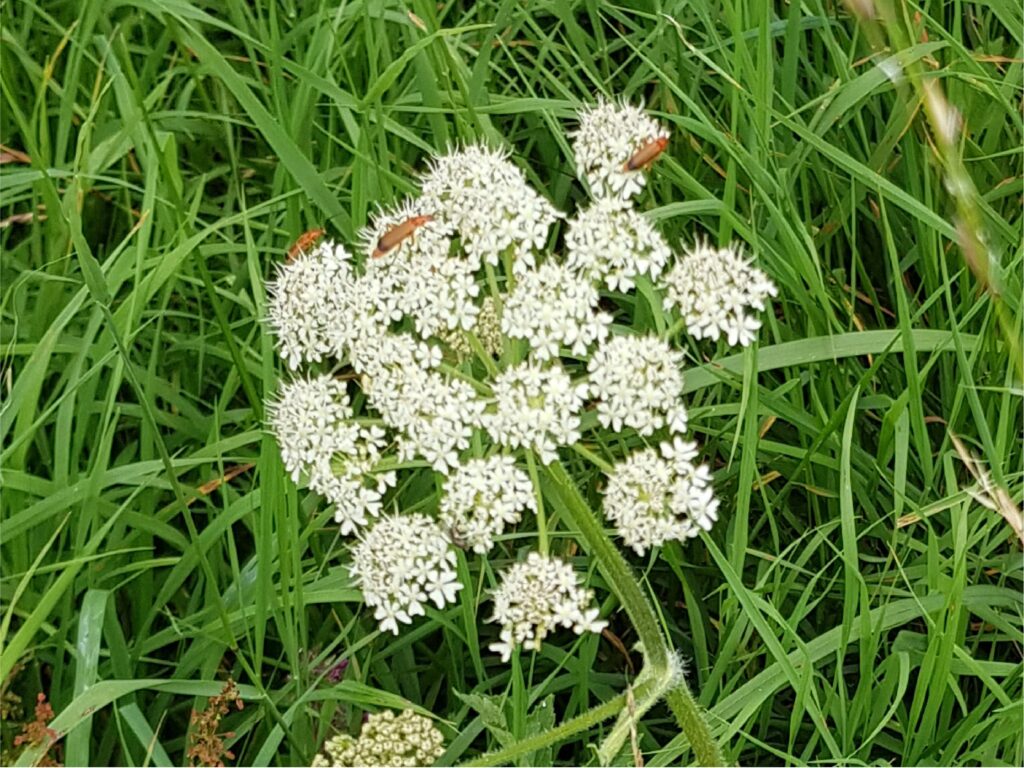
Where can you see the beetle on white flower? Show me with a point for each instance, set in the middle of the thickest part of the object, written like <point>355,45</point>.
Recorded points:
<point>609,135</point>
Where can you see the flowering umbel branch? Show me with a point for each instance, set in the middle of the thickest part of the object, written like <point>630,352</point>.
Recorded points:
<point>469,348</point>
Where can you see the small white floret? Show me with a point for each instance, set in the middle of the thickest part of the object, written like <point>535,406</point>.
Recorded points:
<point>535,407</point>
<point>536,597</point>
<point>715,291</point>
<point>652,498</point>
<point>400,564</point>
<point>484,496</point>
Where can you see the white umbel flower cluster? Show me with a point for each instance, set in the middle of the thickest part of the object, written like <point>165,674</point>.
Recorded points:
<point>654,498</point>
<point>637,382</point>
<point>306,296</point>
<point>536,407</point>
<point>354,487</point>
<point>318,437</point>
<point>311,419</point>
<point>400,564</point>
<point>428,324</point>
<point>715,291</point>
<point>536,597</point>
<point>552,307</point>
<point>378,350</point>
<point>357,335</point>
<point>490,203</point>
<point>609,135</point>
<point>407,740</point>
<point>613,245</point>
<point>482,497</point>
<point>434,415</point>
<point>419,277</point>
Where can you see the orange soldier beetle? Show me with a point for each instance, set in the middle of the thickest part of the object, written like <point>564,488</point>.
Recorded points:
<point>394,236</point>
<point>647,154</point>
<point>305,241</point>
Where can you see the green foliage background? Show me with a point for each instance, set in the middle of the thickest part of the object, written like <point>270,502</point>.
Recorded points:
<point>857,603</point>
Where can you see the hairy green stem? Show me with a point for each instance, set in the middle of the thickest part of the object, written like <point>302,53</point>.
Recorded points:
<point>638,701</point>
<point>592,457</point>
<point>582,722</point>
<point>660,667</point>
<point>479,386</point>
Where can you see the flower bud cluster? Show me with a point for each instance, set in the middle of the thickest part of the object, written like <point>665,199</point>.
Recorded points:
<point>487,331</point>
<point>408,739</point>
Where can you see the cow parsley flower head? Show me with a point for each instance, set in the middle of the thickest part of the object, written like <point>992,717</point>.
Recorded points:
<point>654,498</point>
<point>363,323</point>
<point>536,597</point>
<point>434,415</point>
<point>715,290</point>
<point>400,564</point>
<point>419,277</point>
<point>482,497</point>
<point>637,383</point>
<point>552,307</point>
<point>305,297</point>
<point>614,245</point>
<point>490,203</point>
<point>353,484</point>
<point>608,136</point>
<point>535,407</point>
<point>408,739</point>
<point>311,419</point>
